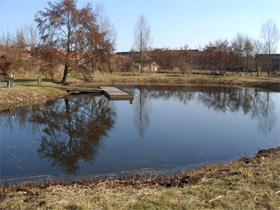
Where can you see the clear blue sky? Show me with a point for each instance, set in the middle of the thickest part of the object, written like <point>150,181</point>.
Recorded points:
<point>173,23</point>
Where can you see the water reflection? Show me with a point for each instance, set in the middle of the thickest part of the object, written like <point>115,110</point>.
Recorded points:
<point>141,110</point>
<point>263,111</point>
<point>72,130</point>
<point>254,103</point>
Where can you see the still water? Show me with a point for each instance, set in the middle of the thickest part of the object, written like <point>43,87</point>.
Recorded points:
<point>164,130</point>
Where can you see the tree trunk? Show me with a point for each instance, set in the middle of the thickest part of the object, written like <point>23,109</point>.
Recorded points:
<point>269,66</point>
<point>65,73</point>
<point>247,65</point>
<point>269,61</point>
<point>141,61</point>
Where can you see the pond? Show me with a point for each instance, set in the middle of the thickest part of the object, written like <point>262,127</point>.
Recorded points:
<point>165,130</point>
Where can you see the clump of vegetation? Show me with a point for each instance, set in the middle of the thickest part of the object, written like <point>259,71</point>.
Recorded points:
<point>28,95</point>
<point>250,183</point>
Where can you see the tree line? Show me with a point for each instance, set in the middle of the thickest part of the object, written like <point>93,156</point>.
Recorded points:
<point>240,54</point>
<point>67,38</point>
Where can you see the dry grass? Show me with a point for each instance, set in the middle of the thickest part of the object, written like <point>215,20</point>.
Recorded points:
<point>134,78</point>
<point>180,79</point>
<point>26,92</point>
<point>27,95</point>
<point>246,184</point>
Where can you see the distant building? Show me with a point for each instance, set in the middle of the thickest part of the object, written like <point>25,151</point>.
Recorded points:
<point>210,59</point>
<point>149,65</point>
<point>266,60</point>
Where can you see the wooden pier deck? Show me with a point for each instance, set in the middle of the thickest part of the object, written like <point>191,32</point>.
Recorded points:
<point>80,90</point>
<point>113,93</point>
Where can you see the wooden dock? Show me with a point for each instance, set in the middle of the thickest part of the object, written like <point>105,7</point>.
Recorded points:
<point>113,93</point>
<point>80,90</point>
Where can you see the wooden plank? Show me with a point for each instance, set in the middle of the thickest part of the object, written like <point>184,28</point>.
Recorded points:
<point>79,90</point>
<point>114,93</point>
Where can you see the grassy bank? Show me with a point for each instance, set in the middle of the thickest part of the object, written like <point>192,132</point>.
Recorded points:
<point>26,92</point>
<point>250,183</point>
<point>265,83</point>
<point>27,95</point>
<point>120,78</point>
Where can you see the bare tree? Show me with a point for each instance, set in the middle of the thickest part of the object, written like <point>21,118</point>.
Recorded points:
<point>111,42</point>
<point>142,38</point>
<point>270,34</point>
<point>107,28</point>
<point>222,50</point>
<point>32,37</point>
<point>73,31</point>
<point>20,41</point>
<point>6,39</point>
<point>248,49</point>
<point>259,48</point>
<point>238,46</point>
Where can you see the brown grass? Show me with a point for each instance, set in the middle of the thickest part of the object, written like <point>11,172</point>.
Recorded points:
<point>180,79</point>
<point>27,95</point>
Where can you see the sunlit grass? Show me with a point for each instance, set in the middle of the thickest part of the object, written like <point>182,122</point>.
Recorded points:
<point>28,94</point>
<point>248,184</point>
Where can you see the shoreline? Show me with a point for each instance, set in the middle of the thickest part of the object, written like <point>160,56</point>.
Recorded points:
<point>268,84</point>
<point>260,171</point>
<point>177,179</point>
<point>25,95</point>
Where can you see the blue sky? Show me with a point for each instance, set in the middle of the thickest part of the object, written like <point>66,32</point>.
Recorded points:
<point>173,23</point>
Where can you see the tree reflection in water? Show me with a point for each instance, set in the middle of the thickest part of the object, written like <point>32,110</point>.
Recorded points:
<point>73,130</point>
<point>142,111</point>
<point>263,111</point>
<point>258,105</point>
